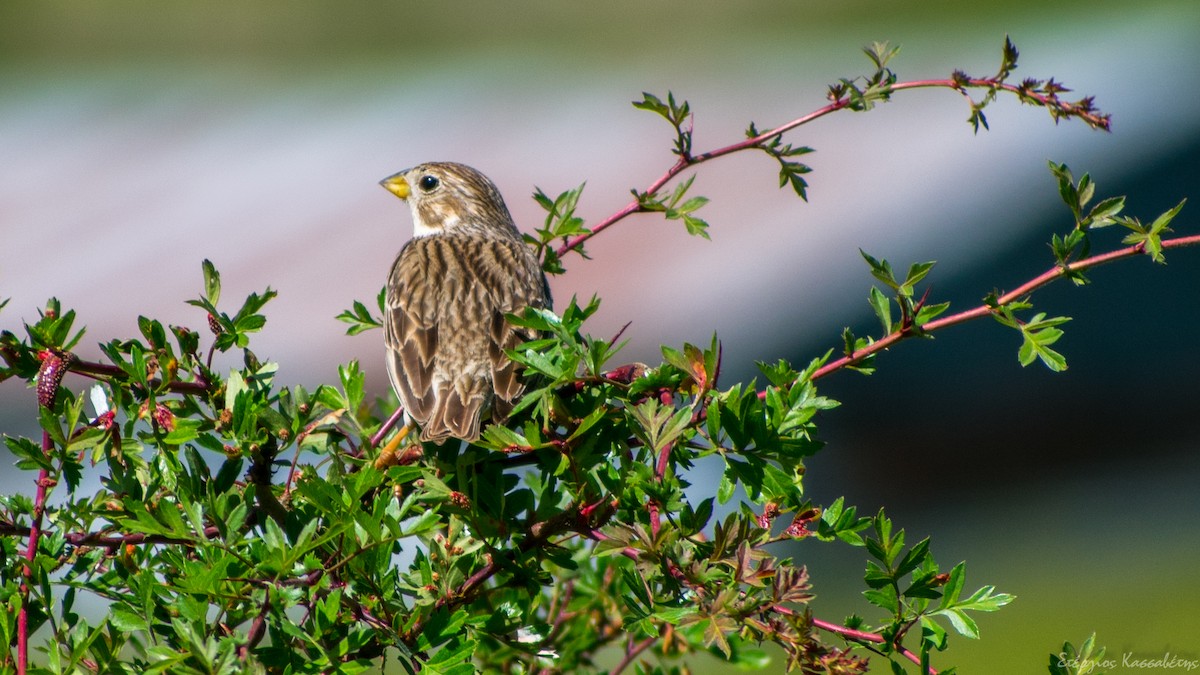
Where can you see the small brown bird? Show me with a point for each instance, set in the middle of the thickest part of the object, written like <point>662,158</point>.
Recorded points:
<point>450,287</point>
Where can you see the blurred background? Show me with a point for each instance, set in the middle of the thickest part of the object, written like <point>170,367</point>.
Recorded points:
<point>138,138</point>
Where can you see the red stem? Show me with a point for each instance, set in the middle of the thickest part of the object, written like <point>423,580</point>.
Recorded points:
<point>108,540</point>
<point>90,368</point>
<point>862,636</point>
<point>387,426</point>
<point>683,164</point>
<point>655,520</point>
<point>1052,102</point>
<point>35,533</point>
<point>631,652</point>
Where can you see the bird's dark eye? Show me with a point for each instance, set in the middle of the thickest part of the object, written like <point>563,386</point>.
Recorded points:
<point>428,183</point>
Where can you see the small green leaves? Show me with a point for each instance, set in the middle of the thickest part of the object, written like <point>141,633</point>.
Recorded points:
<point>700,365</point>
<point>842,522</point>
<point>852,346</point>
<point>212,282</point>
<point>231,331</point>
<point>677,114</point>
<point>658,425</point>
<point>1008,61</point>
<point>863,93</point>
<point>675,208</point>
<point>360,318</point>
<point>1104,213</point>
<point>1041,93</point>
<point>1074,195</point>
<point>53,328</point>
<point>906,582</point>
<point>561,223</point>
<point>791,173</point>
<point>880,53</point>
<point>1149,237</point>
<point>977,119</point>
<point>1037,334</point>
<point>955,608</point>
<point>1076,245</point>
<point>1088,659</point>
<point>1077,196</point>
<point>913,313</point>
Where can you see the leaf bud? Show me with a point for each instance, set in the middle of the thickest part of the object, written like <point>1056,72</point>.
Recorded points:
<point>50,375</point>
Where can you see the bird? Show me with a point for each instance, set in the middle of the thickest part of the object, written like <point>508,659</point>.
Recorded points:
<point>446,298</point>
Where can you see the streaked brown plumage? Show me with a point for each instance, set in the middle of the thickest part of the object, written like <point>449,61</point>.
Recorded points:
<point>449,289</point>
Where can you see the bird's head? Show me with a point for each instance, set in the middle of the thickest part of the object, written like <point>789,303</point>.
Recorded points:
<point>446,197</point>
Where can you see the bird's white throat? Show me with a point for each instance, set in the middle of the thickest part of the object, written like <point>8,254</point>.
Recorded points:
<point>424,229</point>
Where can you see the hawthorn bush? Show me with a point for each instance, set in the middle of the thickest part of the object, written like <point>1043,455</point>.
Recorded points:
<point>241,526</point>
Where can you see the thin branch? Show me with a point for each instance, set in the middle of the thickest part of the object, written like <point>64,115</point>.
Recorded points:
<point>865,637</point>
<point>632,651</point>
<point>397,414</point>
<point>1053,103</point>
<point>1024,290</point>
<point>107,540</point>
<point>538,534</point>
<point>683,164</point>
<point>258,628</point>
<point>35,532</point>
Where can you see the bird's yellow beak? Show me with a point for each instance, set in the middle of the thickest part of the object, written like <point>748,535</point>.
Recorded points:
<point>396,185</point>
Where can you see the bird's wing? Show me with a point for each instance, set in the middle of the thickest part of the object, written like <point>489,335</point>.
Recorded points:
<point>457,410</point>
<point>411,329</point>
<point>517,283</point>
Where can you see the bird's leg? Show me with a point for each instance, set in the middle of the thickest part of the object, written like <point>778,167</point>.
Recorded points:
<point>397,439</point>
<point>388,457</point>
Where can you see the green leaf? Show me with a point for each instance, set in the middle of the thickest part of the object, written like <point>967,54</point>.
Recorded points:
<point>1036,345</point>
<point>885,598</point>
<point>353,381</point>
<point>962,623</point>
<point>1066,187</point>
<point>674,112</point>
<point>126,620</point>
<point>1102,214</point>
<point>653,104</point>
<point>726,487</point>
<point>880,269</point>
<point>212,282</point>
<point>882,308</point>
<point>917,272</point>
<point>442,627</point>
<point>932,634</point>
<point>954,584</point>
<point>691,204</point>
<point>185,430</point>
<point>928,313</point>
<point>916,556</point>
<point>1083,661</point>
<point>1160,223</point>
<point>986,599</point>
<point>696,226</point>
<point>360,318</point>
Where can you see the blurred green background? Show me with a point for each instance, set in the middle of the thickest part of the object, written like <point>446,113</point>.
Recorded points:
<point>139,137</point>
